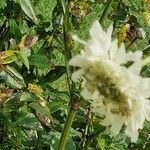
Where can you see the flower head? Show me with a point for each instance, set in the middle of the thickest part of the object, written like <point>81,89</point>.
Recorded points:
<point>111,79</point>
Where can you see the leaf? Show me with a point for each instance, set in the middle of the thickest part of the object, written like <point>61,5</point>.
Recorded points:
<point>120,14</point>
<point>147,16</point>
<point>51,139</point>
<point>27,41</point>
<point>28,120</point>
<point>101,143</point>
<point>41,62</point>
<point>36,89</point>
<point>70,145</point>
<point>28,9</point>
<point>7,57</point>
<point>2,4</point>
<point>40,109</point>
<point>54,74</point>
<point>14,29</point>
<point>12,78</point>
<point>45,9</point>
<point>28,97</point>
<point>89,19</point>
<point>24,57</point>
<point>7,93</point>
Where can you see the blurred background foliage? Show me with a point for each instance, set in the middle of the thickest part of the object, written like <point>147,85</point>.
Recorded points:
<point>34,93</point>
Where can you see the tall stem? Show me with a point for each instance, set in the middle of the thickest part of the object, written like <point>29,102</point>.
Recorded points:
<point>67,48</point>
<point>66,129</point>
<point>67,44</point>
<point>105,11</point>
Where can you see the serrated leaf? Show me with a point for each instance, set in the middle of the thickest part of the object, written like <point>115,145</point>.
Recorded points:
<point>14,29</point>
<point>7,57</point>
<point>28,9</point>
<point>41,62</point>
<point>45,9</point>
<point>12,78</point>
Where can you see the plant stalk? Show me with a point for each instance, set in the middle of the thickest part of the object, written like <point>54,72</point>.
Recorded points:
<point>67,52</point>
<point>67,45</point>
<point>105,11</point>
<point>66,129</point>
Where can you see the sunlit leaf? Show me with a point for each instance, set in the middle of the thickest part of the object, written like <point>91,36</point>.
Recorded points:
<point>147,16</point>
<point>41,62</point>
<point>101,143</point>
<point>28,97</point>
<point>34,88</point>
<point>28,9</point>
<point>12,78</point>
<point>45,9</point>
<point>7,57</point>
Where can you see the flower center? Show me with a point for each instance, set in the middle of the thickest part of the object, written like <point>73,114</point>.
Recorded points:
<point>104,81</point>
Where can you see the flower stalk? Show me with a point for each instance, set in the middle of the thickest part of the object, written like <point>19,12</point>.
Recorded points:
<point>67,44</point>
<point>66,129</point>
<point>67,52</point>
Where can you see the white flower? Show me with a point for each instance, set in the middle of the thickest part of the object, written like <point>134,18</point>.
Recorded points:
<point>111,79</point>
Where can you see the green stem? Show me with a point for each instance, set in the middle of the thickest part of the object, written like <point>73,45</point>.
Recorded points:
<point>67,45</point>
<point>67,52</point>
<point>105,11</point>
<point>66,129</point>
<point>88,122</point>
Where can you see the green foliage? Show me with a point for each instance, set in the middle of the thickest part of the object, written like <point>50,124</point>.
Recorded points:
<point>28,9</point>
<point>23,61</point>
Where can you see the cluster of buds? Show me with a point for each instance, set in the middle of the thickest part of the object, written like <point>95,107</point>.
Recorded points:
<point>79,9</point>
<point>129,33</point>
